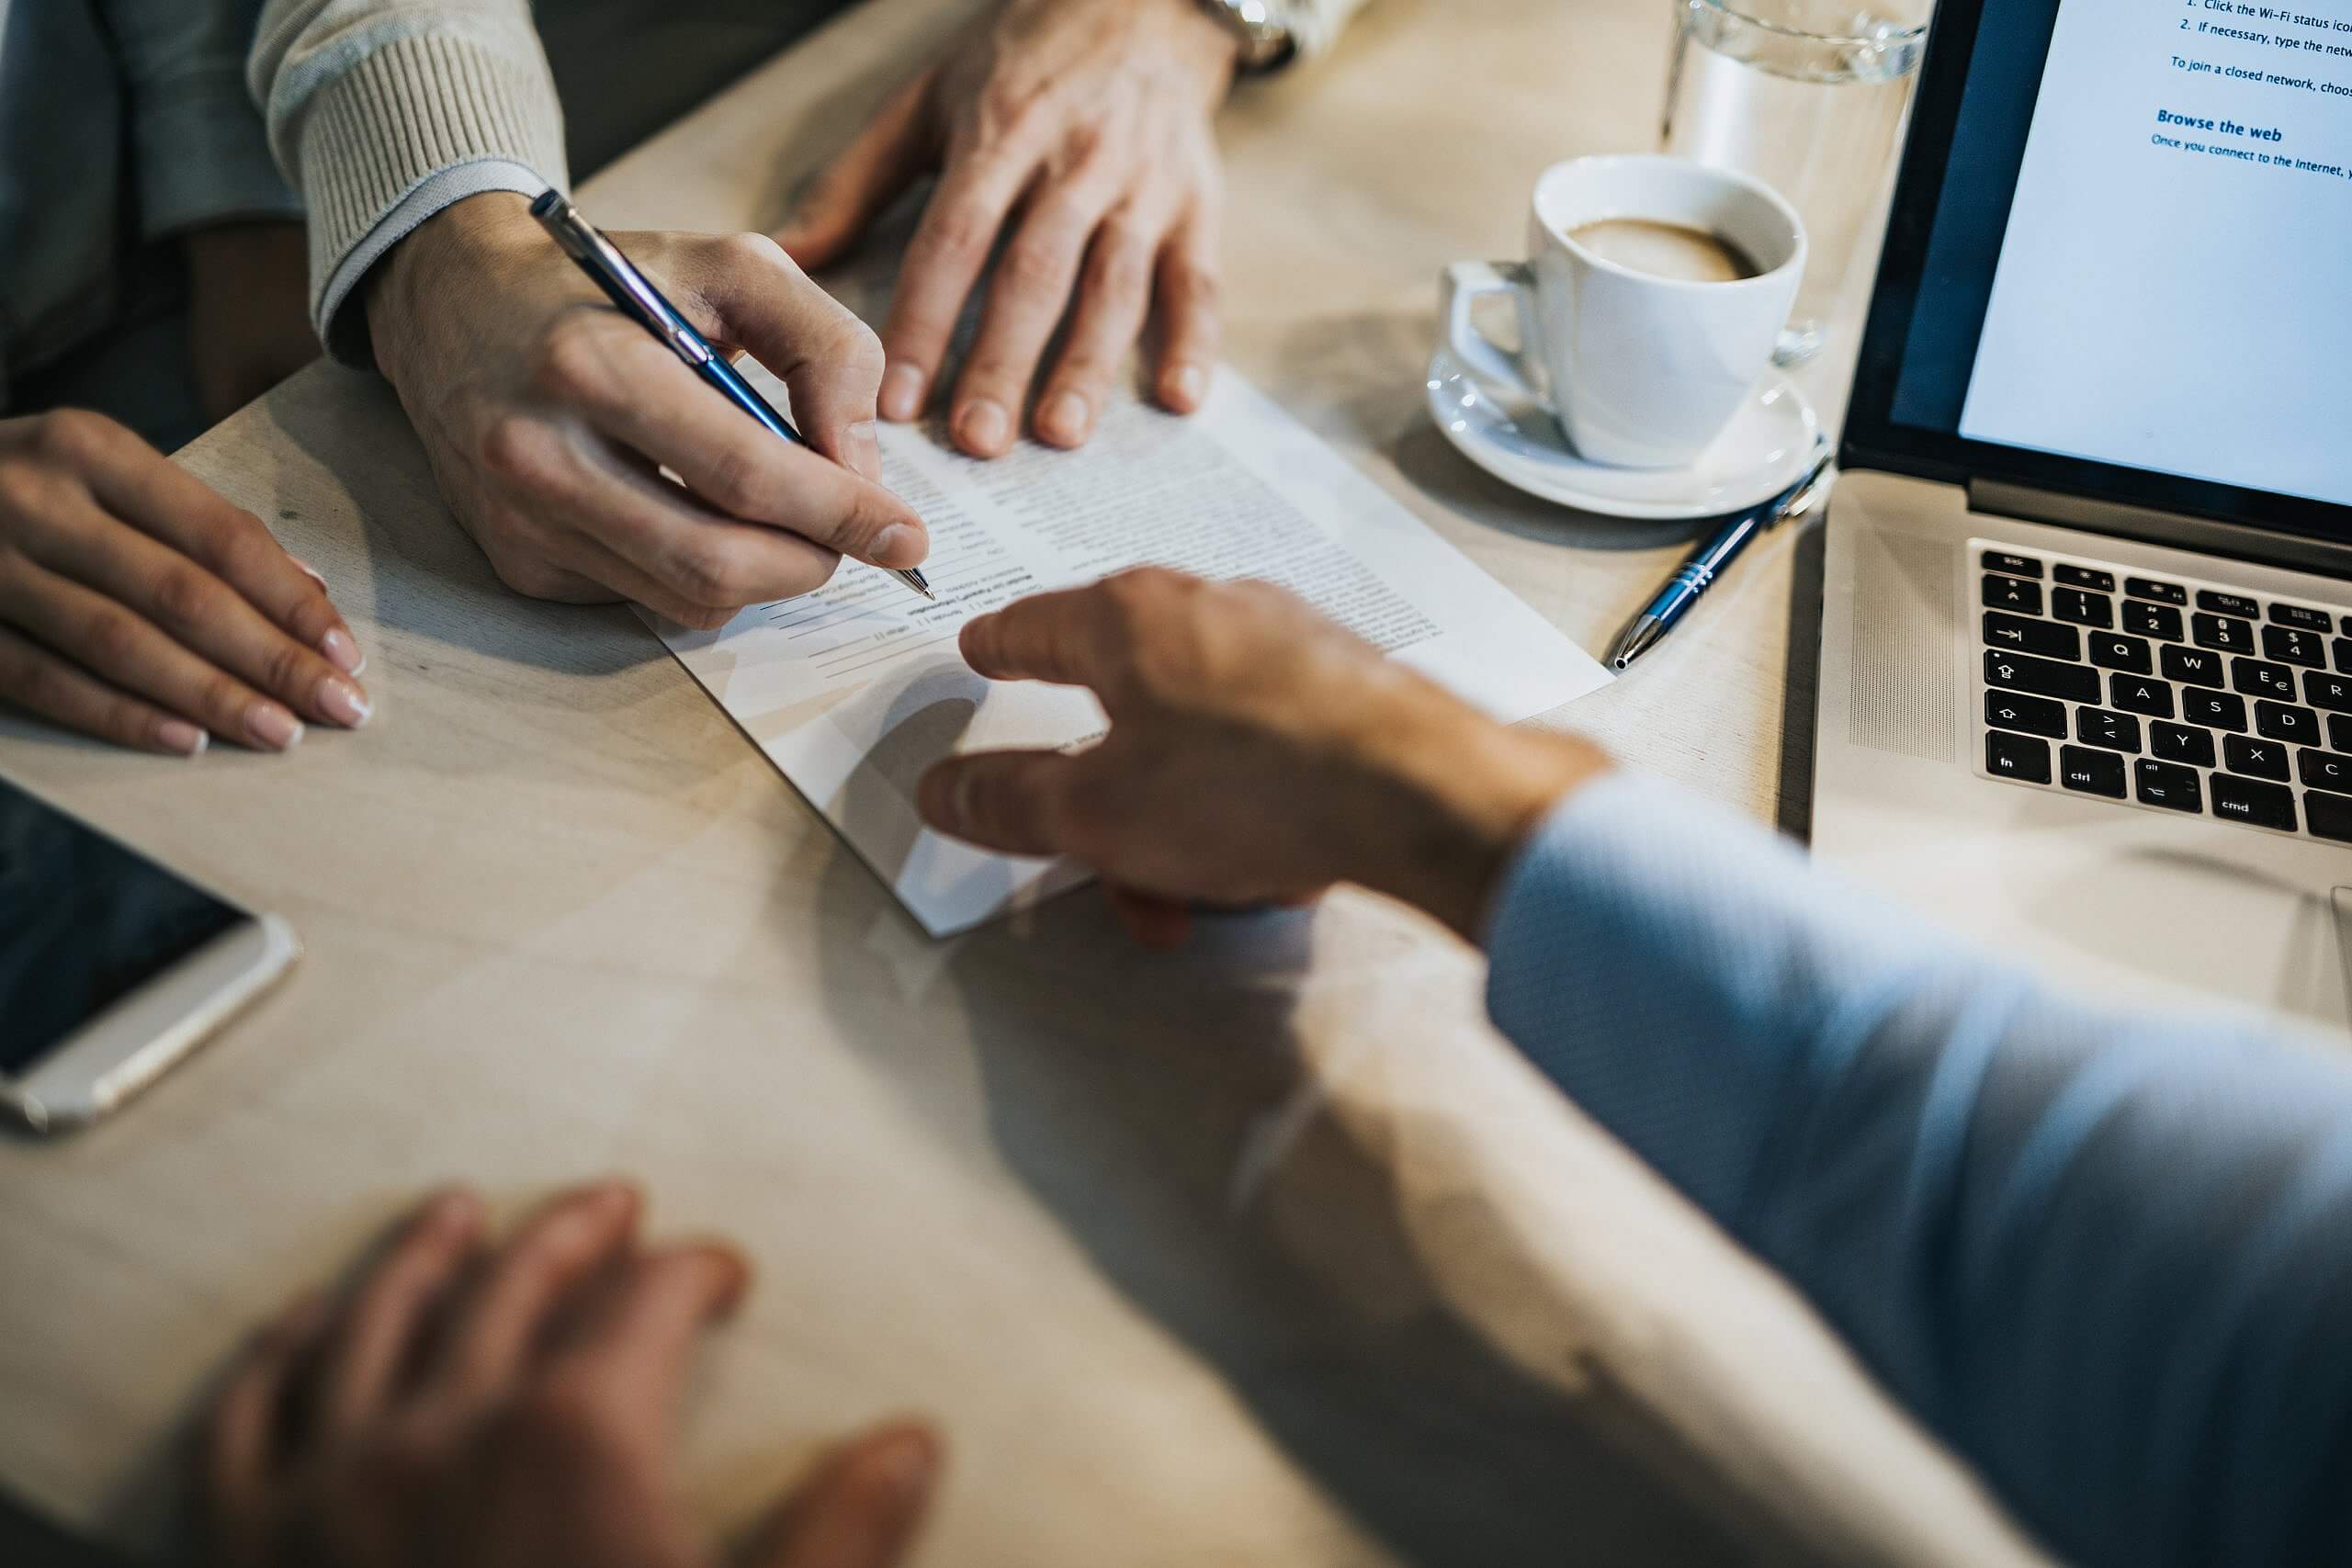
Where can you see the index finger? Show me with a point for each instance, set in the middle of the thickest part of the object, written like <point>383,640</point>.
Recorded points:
<point>167,502</point>
<point>631,1355</point>
<point>1069,639</point>
<point>649,403</point>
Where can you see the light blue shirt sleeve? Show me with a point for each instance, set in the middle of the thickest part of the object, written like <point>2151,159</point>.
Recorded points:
<point>2106,1255</point>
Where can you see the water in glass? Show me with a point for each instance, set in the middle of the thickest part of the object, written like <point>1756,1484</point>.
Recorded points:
<point>1807,96</point>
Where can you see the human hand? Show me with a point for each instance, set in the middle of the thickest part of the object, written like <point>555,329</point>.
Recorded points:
<point>139,607</point>
<point>1257,753</point>
<point>462,1407</point>
<point>249,318</point>
<point>549,415</point>
<point>1083,127</point>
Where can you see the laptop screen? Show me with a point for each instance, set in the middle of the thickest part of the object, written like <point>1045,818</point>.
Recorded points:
<point>2120,262</point>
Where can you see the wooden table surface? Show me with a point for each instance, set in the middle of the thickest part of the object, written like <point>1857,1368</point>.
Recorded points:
<point>1270,1252</point>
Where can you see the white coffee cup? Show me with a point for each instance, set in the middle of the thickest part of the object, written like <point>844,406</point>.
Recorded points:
<point>1641,371</point>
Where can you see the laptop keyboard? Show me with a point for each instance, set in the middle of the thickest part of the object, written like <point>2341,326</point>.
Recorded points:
<point>2165,694</point>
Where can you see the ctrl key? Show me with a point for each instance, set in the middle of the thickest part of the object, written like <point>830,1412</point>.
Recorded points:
<point>2017,757</point>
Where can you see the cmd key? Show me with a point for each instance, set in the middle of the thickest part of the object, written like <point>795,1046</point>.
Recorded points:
<point>2260,805</point>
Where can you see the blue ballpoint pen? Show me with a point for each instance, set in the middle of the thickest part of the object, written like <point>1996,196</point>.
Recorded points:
<point>637,299</point>
<point>1699,572</point>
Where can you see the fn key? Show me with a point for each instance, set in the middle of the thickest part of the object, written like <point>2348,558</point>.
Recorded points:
<point>2017,757</point>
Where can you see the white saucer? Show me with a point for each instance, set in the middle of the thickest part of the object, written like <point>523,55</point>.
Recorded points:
<point>1766,449</point>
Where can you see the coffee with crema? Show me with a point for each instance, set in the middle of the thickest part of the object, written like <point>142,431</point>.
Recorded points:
<point>1666,249</point>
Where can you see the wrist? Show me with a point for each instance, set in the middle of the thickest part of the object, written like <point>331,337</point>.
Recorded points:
<point>443,258</point>
<point>1473,791</point>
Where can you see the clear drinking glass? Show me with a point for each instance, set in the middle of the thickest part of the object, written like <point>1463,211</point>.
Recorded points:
<point>1807,96</point>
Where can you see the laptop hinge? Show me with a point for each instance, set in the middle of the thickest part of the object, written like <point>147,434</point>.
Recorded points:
<point>2203,533</point>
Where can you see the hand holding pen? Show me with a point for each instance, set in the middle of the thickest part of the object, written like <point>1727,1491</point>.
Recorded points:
<point>549,416</point>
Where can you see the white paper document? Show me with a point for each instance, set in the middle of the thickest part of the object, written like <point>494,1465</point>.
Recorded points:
<point>856,690</point>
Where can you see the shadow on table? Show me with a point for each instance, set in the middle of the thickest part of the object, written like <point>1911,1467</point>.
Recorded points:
<point>1157,1107</point>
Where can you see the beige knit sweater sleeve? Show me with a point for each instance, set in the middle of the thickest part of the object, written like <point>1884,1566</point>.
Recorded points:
<point>382,112</point>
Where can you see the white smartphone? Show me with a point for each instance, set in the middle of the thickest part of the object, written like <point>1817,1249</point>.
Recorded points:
<point>111,967</point>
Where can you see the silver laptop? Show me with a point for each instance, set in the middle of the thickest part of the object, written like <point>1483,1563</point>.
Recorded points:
<point>2085,684</point>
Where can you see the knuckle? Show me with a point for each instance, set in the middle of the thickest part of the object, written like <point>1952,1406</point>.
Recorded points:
<point>110,638</point>
<point>185,597</point>
<point>74,437</point>
<point>222,697</point>
<point>571,364</point>
<point>1036,263</point>
<point>730,481</point>
<point>516,450</point>
<point>961,231</point>
<point>527,572</point>
<point>856,347</point>
<point>287,667</point>
<point>707,576</point>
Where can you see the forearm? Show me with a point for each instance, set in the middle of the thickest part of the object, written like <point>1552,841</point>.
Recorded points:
<point>2102,1254</point>
<point>383,112</point>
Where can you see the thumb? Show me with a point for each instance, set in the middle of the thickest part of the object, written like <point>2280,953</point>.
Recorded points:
<point>869,175</point>
<point>1009,801</point>
<point>859,1510</point>
<point>829,359</point>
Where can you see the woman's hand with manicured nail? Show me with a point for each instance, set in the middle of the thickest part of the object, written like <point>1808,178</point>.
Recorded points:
<point>138,605</point>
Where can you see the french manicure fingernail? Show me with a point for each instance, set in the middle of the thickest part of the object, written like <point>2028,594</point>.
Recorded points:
<point>1188,383</point>
<point>180,735</point>
<point>902,391</point>
<point>308,571</point>
<point>862,444</point>
<point>273,726</point>
<point>342,652</point>
<point>344,703</point>
<point>1066,417</point>
<point>983,426</point>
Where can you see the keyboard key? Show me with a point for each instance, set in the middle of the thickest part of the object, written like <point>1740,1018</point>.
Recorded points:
<point>2167,785</point>
<point>2110,650</point>
<point>2017,566</point>
<point>2283,723</point>
<point>2017,672</point>
<point>2339,733</point>
<point>2210,631</point>
<point>2015,593</point>
<point>2092,773</point>
<point>2164,592</point>
<point>2084,577</point>
<point>2255,758</point>
<point>2254,677</point>
<point>2179,743</point>
<point>2290,647</point>
<point>2265,805</point>
<point>2045,638</point>
<point>2332,692</point>
<point>2017,757</point>
<point>2218,709</point>
<point>2302,615</point>
<point>2226,604</point>
<point>2192,666</point>
<point>2328,815</point>
<point>2324,770</point>
<point>2116,731</point>
<point>2083,609</point>
<point>2032,715</point>
<point>2342,649</point>
<point>2159,621</point>
<point>2138,693</point>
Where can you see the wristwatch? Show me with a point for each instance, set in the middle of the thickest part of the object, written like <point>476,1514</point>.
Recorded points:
<point>1267,42</point>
